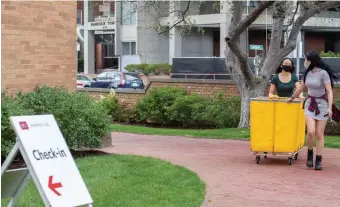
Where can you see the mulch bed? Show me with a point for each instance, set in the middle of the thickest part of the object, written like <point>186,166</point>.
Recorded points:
<point>19,162</point>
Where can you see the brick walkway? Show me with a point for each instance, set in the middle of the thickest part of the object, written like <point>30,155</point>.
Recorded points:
<point>233,179</point>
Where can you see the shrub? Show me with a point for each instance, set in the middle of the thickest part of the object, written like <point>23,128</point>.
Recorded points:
<point>129,116</point>
<point>9,107</point>
<point>148,69</point>
<point>184,110</point>
<point>154,105</point>
<point>171,106</point>
<point>111,105</point>
<point>329,54</point>
<point>82,121</point>
<point>226,111</point>
<point>163,69</point>
<point>219,112</point>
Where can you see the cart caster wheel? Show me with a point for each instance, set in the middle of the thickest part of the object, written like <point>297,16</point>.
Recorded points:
<point>257,159</point>
<point>289,161</point>
<point>296,156</point>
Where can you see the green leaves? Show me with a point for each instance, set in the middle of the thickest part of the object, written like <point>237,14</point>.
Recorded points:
<point>148,69</point>
<point>9,107</point>
<point>172,107</point>
<point>82,121</point>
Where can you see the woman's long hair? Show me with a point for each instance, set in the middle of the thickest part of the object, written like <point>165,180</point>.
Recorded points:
<point>279,69</point>
<point>316,61</point>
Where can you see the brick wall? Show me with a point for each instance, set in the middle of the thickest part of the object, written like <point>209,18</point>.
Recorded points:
<point>38,44</point>
<point>207,88</point>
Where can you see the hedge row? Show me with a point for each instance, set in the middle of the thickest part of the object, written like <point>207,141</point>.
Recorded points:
<point>149,69</point>
<point>82,120</point>
<point>172,107</point>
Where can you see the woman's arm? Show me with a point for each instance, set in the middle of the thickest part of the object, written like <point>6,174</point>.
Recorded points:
<point>271,90</point>
<point>298,91</point>
<point>328,86</point>
<point>297,85</point>
<point>329,90</point>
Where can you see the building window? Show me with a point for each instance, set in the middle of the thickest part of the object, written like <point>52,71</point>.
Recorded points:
<point>109,50</point>
<point>129,48</point>
<point>253,3</point>
<point>128,13</point>
<point>79,17</point>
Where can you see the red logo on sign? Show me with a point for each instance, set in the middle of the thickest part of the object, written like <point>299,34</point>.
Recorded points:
<point>23,125</point>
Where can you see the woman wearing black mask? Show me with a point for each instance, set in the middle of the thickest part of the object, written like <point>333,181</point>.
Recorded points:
<point>284,80</point>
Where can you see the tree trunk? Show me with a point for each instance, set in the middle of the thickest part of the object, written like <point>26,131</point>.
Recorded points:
<point>247,88</point>
<point>246,95</point>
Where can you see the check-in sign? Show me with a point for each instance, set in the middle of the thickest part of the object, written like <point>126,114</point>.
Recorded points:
<point>49,161</point>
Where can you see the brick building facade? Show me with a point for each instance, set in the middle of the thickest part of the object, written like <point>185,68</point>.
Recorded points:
<point>38,44</point>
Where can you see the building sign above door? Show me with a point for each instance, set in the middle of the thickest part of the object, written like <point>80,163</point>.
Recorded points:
<point>103,25</point>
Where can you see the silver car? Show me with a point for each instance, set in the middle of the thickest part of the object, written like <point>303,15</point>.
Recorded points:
<point>83,81</point>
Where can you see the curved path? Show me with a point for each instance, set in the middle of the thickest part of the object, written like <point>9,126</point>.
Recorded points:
<point>233,179</point>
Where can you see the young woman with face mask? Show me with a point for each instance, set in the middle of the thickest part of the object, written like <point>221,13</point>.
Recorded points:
<point>318,79</point>
<point>284,81</point>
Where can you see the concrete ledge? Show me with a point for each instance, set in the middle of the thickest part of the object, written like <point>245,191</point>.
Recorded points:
<point>180,80</point>
<point>105,90</point>
<point>161,80</point>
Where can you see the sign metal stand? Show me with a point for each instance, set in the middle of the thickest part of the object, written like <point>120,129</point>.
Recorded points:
<point>14,181</point>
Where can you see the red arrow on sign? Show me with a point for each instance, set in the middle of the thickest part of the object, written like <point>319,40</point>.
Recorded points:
<point>53,186</point>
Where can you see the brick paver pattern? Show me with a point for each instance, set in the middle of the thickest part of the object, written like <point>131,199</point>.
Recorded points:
<point>233,179</point>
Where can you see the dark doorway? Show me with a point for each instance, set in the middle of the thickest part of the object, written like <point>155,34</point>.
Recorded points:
<point>216,43</point>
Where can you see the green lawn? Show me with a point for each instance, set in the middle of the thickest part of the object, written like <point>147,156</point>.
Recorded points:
<point>120,180</point>
<point>195,133</point>
<point>242,134</point>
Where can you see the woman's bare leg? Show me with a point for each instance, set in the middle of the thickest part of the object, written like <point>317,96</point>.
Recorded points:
<point>311,130</point>
<point>320,141</point>
<point>320,138</point>
<point>310,140</point>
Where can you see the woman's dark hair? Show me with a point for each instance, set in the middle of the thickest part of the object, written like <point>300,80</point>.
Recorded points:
<point>279,69</point>
<point>316,61</point>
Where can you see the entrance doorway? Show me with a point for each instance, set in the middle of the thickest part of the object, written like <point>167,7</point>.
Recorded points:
<point>216,43</point>
<point>105,57</point>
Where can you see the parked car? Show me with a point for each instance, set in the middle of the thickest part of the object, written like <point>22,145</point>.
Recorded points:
<point>115,80</point>
<point>83,81</point>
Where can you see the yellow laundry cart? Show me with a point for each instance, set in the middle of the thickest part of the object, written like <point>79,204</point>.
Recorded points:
<point>276,127</point>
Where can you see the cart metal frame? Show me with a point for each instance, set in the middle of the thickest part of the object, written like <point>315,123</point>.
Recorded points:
<point>290,155</point>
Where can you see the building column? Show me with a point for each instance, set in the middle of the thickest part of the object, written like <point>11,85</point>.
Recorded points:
<point>224,26</point>
<point>118,25</point>
<point>175,43</point>
<point>89,41</point>
<point>175,37</point>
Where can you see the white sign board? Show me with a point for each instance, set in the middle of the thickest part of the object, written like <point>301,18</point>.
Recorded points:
<point>50,161</point>
<point>100,25</point>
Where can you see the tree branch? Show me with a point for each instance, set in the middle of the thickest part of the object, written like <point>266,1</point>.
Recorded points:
<point>294,13</point>
<point>183,13</point>
<point>237,26</point>
<point>247,21</point>
<point>291,42</point>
